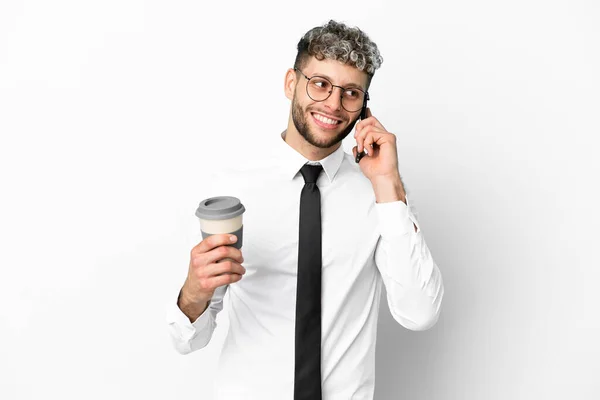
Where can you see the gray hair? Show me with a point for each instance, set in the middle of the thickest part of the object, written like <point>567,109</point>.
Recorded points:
<point>336,41</point>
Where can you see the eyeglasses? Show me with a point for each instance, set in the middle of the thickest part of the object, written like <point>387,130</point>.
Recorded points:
<point>319,88</point>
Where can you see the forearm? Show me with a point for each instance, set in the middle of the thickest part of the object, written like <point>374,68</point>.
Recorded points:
<point>191,326</point>
<point>191,309</point>
<point>389,189</point>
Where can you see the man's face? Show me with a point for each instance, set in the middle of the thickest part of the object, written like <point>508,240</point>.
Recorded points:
<point>308,115</point>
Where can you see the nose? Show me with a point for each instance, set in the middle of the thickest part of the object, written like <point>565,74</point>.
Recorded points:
<point>334,101</point>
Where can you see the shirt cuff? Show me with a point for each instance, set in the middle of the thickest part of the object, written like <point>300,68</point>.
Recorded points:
<point>396,218</point>
<point>187,330</point>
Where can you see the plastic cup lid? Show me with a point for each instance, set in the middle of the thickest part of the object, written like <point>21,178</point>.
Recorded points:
<point>220,207</point>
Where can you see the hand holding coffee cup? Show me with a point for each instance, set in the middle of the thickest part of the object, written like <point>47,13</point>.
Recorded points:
<point>216,260</point>
<point>213,263</point>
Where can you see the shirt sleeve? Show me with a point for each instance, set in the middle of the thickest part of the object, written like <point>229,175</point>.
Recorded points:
<point>189,336</point>
<point>411,277</point>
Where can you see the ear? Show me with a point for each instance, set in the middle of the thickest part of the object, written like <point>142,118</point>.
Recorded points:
<point>289,86</point>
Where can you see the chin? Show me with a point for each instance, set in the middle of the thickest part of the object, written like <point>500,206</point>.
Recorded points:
<point>324,139</point>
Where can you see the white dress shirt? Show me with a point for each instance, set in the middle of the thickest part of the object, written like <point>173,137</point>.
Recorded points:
<point>365,244</point>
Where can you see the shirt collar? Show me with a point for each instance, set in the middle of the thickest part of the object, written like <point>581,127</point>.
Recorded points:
<point>292,160</point>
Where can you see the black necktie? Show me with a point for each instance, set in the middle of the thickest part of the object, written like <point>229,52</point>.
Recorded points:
<point>307,383</point>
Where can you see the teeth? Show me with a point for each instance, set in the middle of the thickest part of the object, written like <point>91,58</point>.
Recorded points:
<point>325,120</point>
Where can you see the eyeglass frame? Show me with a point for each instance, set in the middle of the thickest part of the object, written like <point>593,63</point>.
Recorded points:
<point>362,108</point>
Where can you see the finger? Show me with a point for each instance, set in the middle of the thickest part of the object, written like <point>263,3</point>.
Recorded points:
<point>360,138</point>
<point>359,126</point>
<point>213,241</point>
<point>369,140</point>
<point>223,280</point>
<point>224,267</point>
<point>223,252</point>
<point>374,139</point>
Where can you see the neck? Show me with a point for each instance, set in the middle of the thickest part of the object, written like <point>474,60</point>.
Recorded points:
<point>298,143</point>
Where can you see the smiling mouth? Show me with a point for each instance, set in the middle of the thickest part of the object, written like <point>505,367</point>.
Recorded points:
<point>325,122</point>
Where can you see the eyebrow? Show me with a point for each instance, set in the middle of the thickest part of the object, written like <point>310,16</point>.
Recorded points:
<point>346,86</point>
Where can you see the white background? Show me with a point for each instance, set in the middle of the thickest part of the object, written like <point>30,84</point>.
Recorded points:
<point>112,111</point>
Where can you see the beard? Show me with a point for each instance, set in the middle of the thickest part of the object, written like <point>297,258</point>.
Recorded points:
<point>298,116</point>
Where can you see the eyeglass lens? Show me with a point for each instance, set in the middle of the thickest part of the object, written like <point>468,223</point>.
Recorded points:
<point>319,89</point>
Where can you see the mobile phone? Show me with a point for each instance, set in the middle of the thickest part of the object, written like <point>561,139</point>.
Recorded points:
<point>363,115</point>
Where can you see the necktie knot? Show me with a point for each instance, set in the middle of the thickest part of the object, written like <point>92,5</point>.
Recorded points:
<point>310,173</point>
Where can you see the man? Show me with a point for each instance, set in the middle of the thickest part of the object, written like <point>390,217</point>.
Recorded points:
<point>303,307</point>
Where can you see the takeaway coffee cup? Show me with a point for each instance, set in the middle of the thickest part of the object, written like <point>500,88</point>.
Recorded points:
<point>222,214</point>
